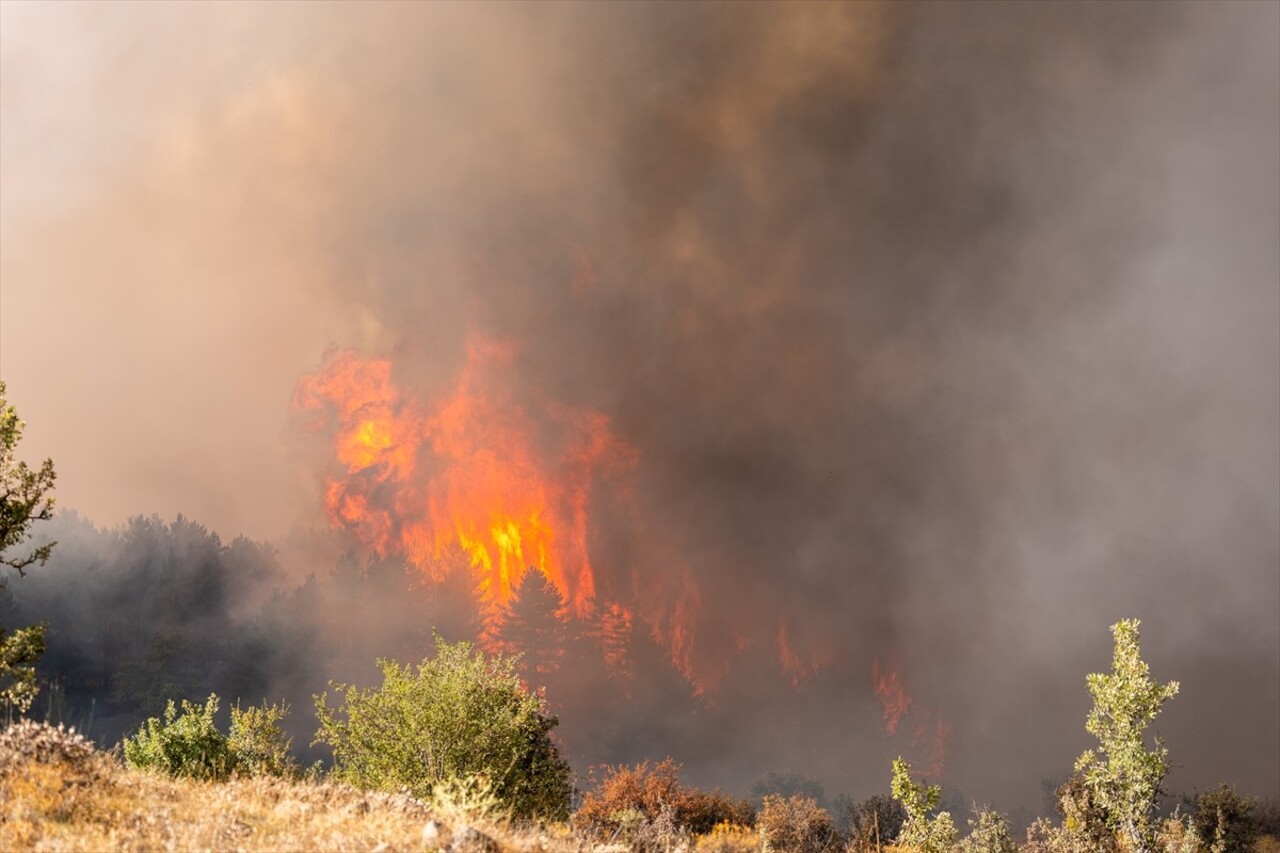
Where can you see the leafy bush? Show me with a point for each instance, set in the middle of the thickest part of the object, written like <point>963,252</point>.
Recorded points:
<point>921,832</point>
<point>988,834</point>
<point>1266,816</point>
<point>189,743</point>
<point>461,714</point>
<point>186,744</point>
<point>259,746</point>
<point>629,797</point>
<point>795,824</point>
<point>1177,834</point>
<point>19,651</point>
<point>876,820</point>
<point>1224,819</point>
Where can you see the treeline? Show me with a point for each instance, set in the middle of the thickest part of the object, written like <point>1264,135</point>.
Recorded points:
<point>154,611</point>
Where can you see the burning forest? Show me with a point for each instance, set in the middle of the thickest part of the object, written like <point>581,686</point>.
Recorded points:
<point>792,386</point>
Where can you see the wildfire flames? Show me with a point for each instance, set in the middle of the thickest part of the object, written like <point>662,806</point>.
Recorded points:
<point>509,481</point>
<point>893,697</point>
<point>467,470</point>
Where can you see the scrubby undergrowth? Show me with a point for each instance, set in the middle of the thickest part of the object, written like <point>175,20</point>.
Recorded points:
<point>58,793</point>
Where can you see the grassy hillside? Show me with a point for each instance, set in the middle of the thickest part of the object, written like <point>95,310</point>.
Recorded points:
<point>58,793</point>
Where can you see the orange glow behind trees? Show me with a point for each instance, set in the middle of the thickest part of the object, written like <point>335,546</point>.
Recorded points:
<point>508,480</point>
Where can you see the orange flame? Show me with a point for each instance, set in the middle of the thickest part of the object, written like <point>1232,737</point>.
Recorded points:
<point>934,735</point>
<point>892,695</point>
<point>467,470</point>
<point>800,667</point>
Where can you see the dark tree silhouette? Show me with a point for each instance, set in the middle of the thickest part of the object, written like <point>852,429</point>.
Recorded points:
<point>534,624</point>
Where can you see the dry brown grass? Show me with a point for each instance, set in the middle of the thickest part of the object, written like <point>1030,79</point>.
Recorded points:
<point>89,802</point>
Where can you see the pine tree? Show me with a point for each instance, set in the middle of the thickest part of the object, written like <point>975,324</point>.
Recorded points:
<point>535,625</point>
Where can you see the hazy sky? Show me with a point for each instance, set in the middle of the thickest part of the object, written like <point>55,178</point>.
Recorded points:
<point>949,331</point>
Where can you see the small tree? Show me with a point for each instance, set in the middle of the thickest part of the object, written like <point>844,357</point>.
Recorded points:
<point>24,494</point>
<point>1123,777</point>
<point>24,500</point>
<point>462,714</point>
<point>921,832</point>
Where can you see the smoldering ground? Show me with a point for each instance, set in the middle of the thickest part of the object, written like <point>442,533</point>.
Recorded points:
<point>946,335</point>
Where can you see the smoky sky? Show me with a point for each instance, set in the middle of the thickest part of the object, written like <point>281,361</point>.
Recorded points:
<point>946,334</point>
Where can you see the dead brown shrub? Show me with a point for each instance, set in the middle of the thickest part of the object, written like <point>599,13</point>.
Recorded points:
<point>651,793</point>
<point>795,824</point>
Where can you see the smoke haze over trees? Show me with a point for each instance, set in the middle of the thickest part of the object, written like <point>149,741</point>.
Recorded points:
<point>945,335</point>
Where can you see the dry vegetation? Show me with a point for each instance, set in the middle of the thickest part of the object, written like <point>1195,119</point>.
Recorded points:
<point>57,793</point>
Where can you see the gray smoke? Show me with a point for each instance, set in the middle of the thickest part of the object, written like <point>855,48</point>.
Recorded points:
<point>947,334</point>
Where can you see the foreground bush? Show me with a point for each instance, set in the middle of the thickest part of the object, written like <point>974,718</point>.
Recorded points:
<point>988,833</point>
<point>184,744</point>
<point>1225,819</point>
<point>920,831</point>
<point>189,743</point>
<point>460,715</point>
<point>874,822</point>
<point>729,838</point>
<point>649,799</point>
<point>795,824</point>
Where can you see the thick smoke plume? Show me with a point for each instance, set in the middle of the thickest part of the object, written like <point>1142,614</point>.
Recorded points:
<point>944,335</point>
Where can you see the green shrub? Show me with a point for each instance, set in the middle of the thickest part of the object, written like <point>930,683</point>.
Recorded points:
<point>189,743</point>
<point>988,834</point>
<point>185,744</point>
<point>921,832</point>
<point>460,714</point>
<point>19,651</point>
<point>1225,819</point>
<point>259,746</point>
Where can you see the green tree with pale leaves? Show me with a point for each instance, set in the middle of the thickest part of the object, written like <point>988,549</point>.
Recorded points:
<point>460,714</point>
<point>920,831</point>
<point>24,500</point>
<point>1123,776</point>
